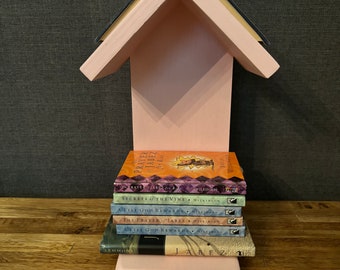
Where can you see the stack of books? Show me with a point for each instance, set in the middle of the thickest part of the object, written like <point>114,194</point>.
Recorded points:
<point>179,203</point>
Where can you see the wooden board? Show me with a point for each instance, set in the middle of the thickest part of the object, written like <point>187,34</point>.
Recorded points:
<point>144,16</point>
<point>181,79</point>
<point>138,262</point>
<point>42,234</point>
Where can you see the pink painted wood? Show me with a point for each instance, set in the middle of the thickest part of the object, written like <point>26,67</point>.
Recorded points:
<point>181,78</point>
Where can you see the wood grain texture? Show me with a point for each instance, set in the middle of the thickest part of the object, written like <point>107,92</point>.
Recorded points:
<point>65,234</point>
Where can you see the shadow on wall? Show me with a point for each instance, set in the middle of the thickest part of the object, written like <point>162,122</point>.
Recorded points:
<point>262,188</point>
<point>285,121</point>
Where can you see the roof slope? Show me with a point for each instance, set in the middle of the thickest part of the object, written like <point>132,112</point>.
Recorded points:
<point>141,16</point>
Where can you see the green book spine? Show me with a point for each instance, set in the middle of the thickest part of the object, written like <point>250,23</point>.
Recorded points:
<point>179,199</point>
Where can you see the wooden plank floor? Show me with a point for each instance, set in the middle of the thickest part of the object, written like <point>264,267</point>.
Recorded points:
<point>65,234</point>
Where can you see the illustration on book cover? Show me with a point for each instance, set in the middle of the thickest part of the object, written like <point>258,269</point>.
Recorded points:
<point>180,172</point>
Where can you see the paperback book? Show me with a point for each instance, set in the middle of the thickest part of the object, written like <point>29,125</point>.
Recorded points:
<point>179,199</point>
<point>175,210</point>
<point>178,220</point>
<point>191,230</point>
<point>181,172</point>
<point>169,245</point>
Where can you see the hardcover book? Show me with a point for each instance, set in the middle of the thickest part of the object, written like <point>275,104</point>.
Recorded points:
<point>175,210</point>
<point>178,220</point>
<point>175,245</point>
<point>179,199</point>
<point>180,172</point>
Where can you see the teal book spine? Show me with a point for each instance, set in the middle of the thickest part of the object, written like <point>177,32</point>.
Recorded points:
<point>175,210</point>
<point>160,229</point>
<point>179,199</point>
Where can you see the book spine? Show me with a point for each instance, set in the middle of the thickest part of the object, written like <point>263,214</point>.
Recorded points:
<point>237,231</point>
<point>175,210</point>
<point>179,220</point>
<point>180,186</point>
<point>208,246</point>
<point>114,250</point>
<point>192,249</point>
<point>173,245</point>
<point>179,199</point>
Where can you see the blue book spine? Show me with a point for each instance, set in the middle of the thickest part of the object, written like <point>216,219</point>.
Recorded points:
<point>237,231</point>
<point>175,210</point>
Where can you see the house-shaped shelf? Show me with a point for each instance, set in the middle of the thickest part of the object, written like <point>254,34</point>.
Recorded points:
<point>181,58</point>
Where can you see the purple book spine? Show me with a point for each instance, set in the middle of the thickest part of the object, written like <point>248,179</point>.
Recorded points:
<point>183,185</point>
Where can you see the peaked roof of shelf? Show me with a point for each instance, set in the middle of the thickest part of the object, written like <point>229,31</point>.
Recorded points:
<point>230,4</point>
<point>230,25</point>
